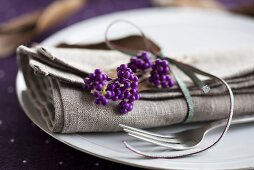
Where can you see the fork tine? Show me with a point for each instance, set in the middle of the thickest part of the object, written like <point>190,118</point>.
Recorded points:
<point>171,140</point>
<point>167,145</point>
<point>146,132</point>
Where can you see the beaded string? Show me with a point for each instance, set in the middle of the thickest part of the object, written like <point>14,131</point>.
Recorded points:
<point>189,71</point>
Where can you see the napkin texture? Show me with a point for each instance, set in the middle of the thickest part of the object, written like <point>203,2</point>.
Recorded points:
<point>54,78</point>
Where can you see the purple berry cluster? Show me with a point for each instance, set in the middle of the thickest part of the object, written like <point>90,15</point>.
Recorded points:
<point>140,62</point>
<point>159,69</point>
<point>160,76</point>
<point>124,88</point>
<point>96,83</point>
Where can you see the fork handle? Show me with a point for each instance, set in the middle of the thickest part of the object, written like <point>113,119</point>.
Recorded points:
<point>237,120</point>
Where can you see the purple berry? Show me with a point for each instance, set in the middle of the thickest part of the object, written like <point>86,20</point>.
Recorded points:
<point>104,101</point>
<point>115,98</point>
<point>126,74</point>
<point>134,84</point>
<point>133,91</point>
<point>130,107</point>
<point>117,92</point>
<point>97,71</point>
<point>132,98</point>
<point>124,111</point>
<point>135,78</point>
<point>123,88</point>
<point>160,76</point>
<point>96,94</point>
<point>127,94</point>
<point>108,94</point>
<point>123,66</point>
<point>140,62</point>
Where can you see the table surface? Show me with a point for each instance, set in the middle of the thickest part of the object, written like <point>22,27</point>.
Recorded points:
<point>22,144</point>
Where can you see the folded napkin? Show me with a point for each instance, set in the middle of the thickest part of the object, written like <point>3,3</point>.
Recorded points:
<point>54,78</point>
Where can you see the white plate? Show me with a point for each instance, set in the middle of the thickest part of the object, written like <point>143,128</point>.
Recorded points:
<point>178,31</point>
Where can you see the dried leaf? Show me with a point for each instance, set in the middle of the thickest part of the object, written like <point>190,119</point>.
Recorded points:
<point>20,24</point>
<point>17,31</point>
<point>9,42</point>
<point>57,12</point>
<point>145,86</point>
<point>111,73</point>
<point>135,42</point>
<point>211,4</point>
<point>22,29</point>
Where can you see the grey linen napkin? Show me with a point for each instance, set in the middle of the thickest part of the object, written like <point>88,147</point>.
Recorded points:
<point>54,78</point>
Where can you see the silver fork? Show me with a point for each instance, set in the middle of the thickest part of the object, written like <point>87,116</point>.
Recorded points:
<point>183,140</point>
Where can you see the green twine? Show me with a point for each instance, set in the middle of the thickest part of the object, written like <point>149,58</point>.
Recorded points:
<point>184,89</point>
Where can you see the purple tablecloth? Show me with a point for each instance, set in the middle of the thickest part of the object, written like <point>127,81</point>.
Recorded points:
<point>22,144</point>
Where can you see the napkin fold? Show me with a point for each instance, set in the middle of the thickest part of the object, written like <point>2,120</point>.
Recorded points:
<point>54,78</point>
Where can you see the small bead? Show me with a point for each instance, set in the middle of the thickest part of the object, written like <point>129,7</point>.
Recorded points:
<point>125,105</point>
<point>115,98</point>
<point>127,84</point>
<point>137,96</point>
<point>121,103</point>
<point>157,83</point>
<point>134,84</point>
<point>108,94</point>
<point>117,92</point>
<point>104,102</point>
<point>121,80</point>
<point>146,65</point>
<point>99,87</point>
<point>164,63</point>
<point>105,77</point>
<point>130,107</point>
<point>131,77</point>
<point>97,101</point>
<point>123,66</point>
<point>129,70</point>
<point>127,94</point>
<point>168,78</point>
<point>160,69</point>
<point>162,77</point>
<point>166,69</point>
<point>122,89</point>
<point>96,94</point>
<point>133,91</point>
<point>135,78</point>
<point>120,73</point>
<point>132,98</point>
<point>158,61</point>
<point>171,83</point>
<point>91,75</point>
<point>99,77</point>
<point>126,74</point>
<point>124,111</point>
<point>112,93</point>
<point>121,96</point>
<point>111,86</point>
<point>164,84</point>
<point>86,80</point>
<point>97,71</point>
<point>86,87</point>
<point>133,59</point>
